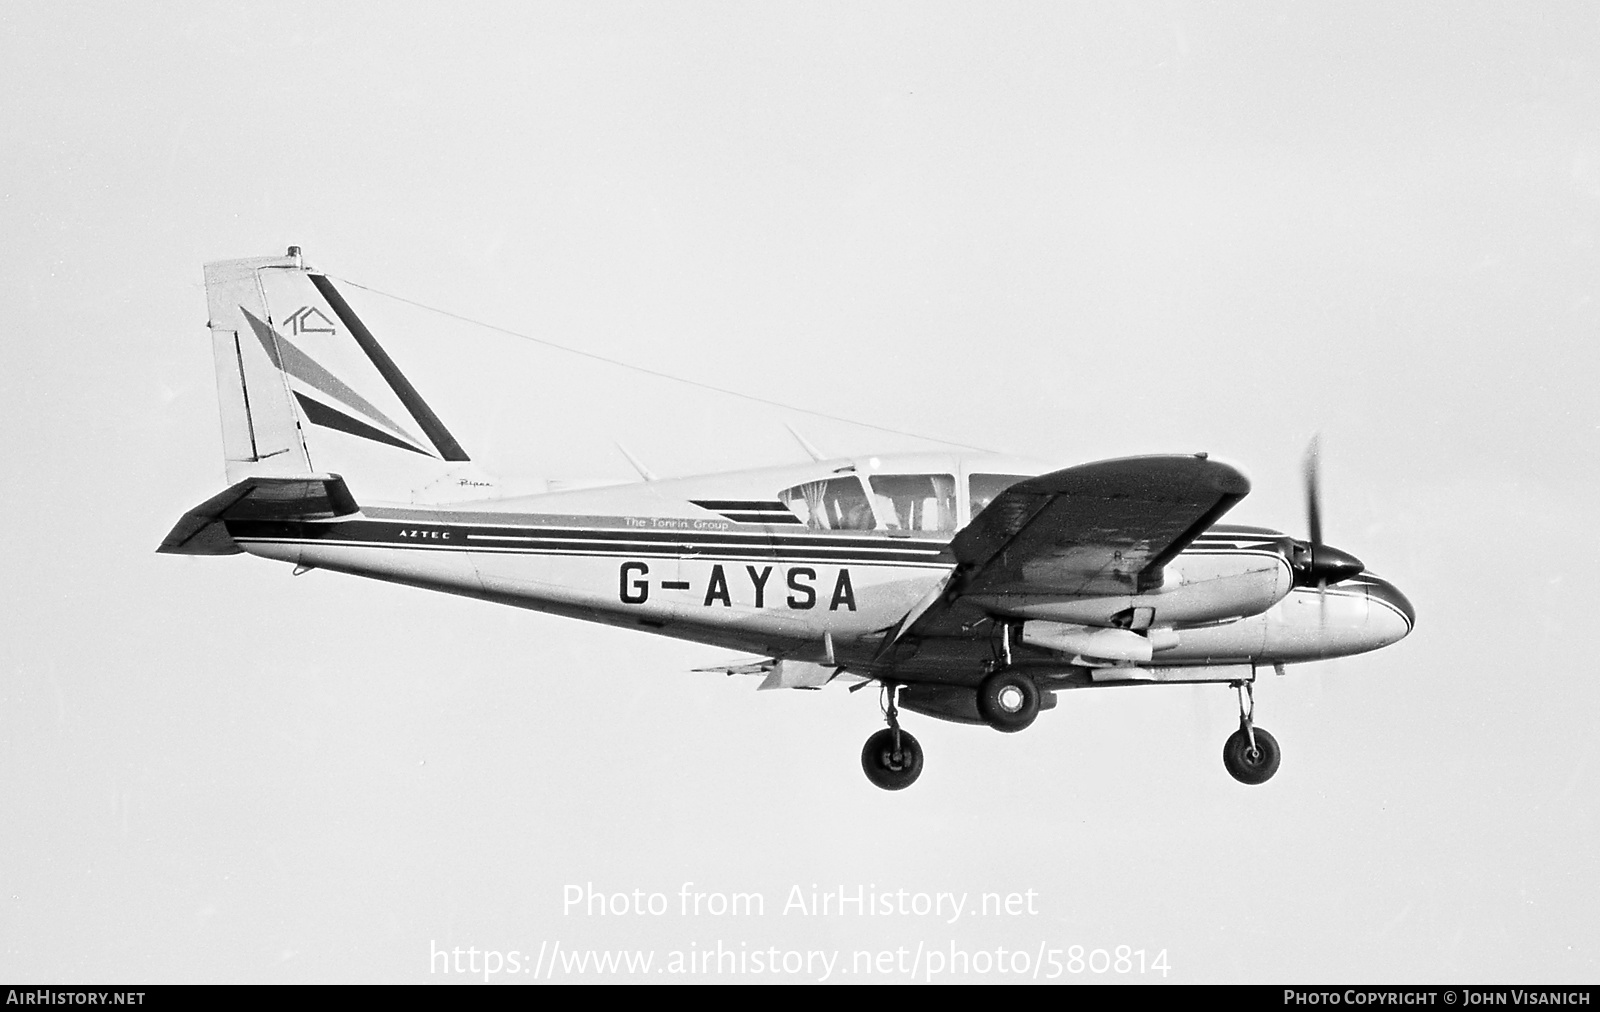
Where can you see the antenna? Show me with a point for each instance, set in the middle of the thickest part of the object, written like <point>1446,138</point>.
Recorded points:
<point>805,444</point>
<point>644,472</point>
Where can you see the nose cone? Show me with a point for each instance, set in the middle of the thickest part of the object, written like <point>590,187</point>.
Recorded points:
<point>1353,616</point>
<point>1389,611</point>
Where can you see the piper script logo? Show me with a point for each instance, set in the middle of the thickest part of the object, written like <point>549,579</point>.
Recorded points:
<point>309,320</point>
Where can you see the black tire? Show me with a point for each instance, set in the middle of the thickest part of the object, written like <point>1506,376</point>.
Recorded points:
<point>1008,700</point>
<point>1247,766</point>
<point>891,765</point>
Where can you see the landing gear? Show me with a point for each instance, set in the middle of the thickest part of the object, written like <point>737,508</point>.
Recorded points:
<point>892,759</point>
<point>1250,753</point>
<point>1008,700</point>
<point>1251,762</point>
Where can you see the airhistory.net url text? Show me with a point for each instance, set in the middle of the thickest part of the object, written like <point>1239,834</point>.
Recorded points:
<point>925,963</point>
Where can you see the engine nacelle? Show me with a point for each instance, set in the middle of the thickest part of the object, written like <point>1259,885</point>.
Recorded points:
<point>1198,586</point>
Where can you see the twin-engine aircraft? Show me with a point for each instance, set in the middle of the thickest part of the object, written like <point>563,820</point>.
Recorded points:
<point>968,587</point>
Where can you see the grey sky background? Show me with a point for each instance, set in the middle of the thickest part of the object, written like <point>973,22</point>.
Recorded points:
<point>1070,232</point>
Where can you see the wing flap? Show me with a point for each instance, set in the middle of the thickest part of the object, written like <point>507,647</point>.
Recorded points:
<point>780,673</point>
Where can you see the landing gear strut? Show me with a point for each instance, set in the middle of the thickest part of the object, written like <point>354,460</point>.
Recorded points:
<point>1250,753</point>
<point>892,759</point>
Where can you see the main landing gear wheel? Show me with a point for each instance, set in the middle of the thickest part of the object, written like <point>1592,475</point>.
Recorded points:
<point>1251,763</point>
<point>1250,753</point>
<point>892,759</point>
<point>1008,700</point>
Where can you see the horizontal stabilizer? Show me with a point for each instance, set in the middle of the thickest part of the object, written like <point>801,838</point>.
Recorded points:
<point>203,530</point>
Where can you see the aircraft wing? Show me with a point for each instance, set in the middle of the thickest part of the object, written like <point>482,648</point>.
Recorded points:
<point>1096,529</point>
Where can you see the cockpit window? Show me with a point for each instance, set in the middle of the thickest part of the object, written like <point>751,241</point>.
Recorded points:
<point>984,487</point>
<point>834,504</point>
<point>915,502</point>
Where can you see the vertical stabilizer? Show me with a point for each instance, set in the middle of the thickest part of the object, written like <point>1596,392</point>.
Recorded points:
<point>305,388</point>
<point>260,428</point>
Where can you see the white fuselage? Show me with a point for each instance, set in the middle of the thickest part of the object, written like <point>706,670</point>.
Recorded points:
<point>655,556</point>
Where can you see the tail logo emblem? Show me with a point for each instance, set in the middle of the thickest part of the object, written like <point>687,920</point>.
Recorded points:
<point>305,320</point>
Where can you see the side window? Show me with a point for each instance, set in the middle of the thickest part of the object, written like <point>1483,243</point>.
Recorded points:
<point>915,502</point>
<point>835,504</point>
<point>984,487</point>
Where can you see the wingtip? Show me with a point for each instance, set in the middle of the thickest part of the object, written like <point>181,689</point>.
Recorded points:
<point>1229,478</point>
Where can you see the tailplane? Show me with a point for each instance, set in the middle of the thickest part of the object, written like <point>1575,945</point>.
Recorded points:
<point>204,530</point>
<point>305,389</point>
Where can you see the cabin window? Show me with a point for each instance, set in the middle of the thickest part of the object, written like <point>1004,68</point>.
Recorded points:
<point>834,504</point>
<point>984,487</point>
<point>915,502</point>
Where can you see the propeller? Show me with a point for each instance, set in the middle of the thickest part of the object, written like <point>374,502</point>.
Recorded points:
<point>1311,474</point>
<point>1316,562</point>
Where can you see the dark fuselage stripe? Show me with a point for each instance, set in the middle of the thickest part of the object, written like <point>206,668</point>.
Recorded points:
<point>733,555</point>
<point>763,518</point>
<point>389,531</point>
<point>657,544</point>
<point>684,543</point>
<point>742,505</point>
<point>693,547</point>
<point>531,546</point>
<point>1358,593</point>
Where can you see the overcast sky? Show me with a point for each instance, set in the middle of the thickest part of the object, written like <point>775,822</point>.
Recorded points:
<point>1065,231</point>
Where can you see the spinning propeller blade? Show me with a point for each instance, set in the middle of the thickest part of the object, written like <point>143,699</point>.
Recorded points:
<point>1316,562</point>
<point>1312,475</point>
<point>1313,482</point>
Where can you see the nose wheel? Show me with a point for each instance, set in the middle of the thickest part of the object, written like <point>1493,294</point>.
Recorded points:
<point>892,759</point>
<point>1250,754</point>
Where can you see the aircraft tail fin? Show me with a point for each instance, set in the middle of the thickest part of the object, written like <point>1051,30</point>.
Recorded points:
<point>305,388</point>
